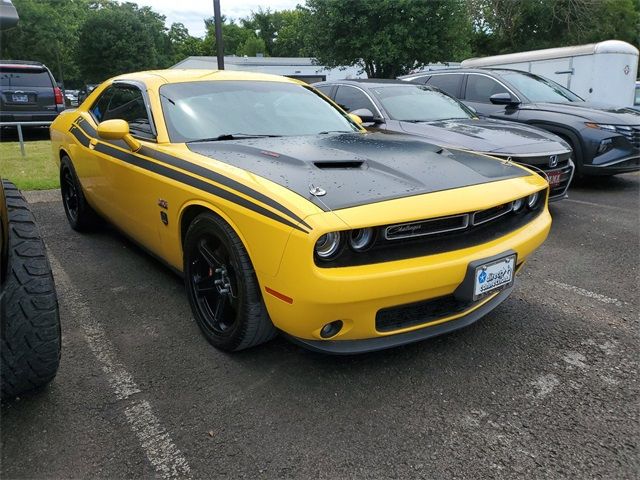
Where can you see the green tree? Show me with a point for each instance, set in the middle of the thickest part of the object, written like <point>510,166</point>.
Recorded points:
<point>512,26</point>
<point>387,37</point>
<point>48,32</point>
<point>252,47</point>
<point>234,37</point>
<point>112,41</point>
<point>184,45</point>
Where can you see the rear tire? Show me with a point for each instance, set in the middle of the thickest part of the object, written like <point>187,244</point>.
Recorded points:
<point>79,213</point>
<point>30,324</point>
<point>222,286</point>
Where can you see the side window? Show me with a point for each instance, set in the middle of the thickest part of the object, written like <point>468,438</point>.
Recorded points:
<point>325,89</point>
<point>350,99</point>
<point>447,83</point>
<point>101,104</point>
<point>480,88</point>
<point>127,104</point>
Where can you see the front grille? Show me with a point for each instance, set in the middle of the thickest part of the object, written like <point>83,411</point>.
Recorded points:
<point>542,163</point>
<point>405,316</point>
<point>631,133</point>
<point>463,231</point>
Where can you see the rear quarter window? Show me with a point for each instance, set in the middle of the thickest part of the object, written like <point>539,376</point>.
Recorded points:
<point>24,78</point>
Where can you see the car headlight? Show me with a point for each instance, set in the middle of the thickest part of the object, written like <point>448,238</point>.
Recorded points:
<point>532,199</point>
<point>602,126</point>
<point>518,204</point>
<point>361,238</point>
<point>328,245</point>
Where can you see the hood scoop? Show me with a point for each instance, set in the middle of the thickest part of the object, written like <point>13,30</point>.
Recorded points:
<point>339,164</point>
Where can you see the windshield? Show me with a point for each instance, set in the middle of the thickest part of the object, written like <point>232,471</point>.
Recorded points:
<point>224,110</point>
<point>416,103</point>
<point>538,89</point>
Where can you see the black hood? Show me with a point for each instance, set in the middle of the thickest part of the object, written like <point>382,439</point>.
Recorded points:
<point>357,169</point>
<point>590,112</point>
<point>488,136</point>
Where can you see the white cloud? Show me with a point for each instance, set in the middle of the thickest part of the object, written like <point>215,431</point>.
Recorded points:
<point>193,12</point>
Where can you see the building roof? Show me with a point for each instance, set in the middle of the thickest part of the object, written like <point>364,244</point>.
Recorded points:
<point>196,61</point>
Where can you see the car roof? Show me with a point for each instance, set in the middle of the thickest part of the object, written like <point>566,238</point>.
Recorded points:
<point>162,77</point>
<point>367,82</point>
<point>463,70</point>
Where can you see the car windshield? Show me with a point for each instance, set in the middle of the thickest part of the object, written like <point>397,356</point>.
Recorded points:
<point>417,103</point>
<point>224,110</point>
<point>538,89</point>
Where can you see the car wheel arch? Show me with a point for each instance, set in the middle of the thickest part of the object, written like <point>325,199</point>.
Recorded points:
<point>567,134</point>
<point>191,210</point>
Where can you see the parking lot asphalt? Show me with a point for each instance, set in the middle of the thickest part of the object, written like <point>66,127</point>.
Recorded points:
<point>546,386</point>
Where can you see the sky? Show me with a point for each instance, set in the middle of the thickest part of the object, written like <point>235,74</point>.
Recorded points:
<point>193,12</point>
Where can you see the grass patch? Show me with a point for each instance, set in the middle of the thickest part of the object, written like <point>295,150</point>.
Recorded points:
<point>36,171</point>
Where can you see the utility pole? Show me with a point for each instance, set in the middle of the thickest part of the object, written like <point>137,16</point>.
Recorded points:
<point>218,23</point>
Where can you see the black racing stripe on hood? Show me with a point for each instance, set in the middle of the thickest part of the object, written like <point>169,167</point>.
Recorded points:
<point>358,169</point>
<point>203,172</point>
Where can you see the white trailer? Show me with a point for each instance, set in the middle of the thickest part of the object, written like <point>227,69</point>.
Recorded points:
<point>602,72</point>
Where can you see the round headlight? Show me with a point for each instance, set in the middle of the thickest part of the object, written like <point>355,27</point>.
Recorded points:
<point>518,204</point>
<point>328,244</point>
<point>532,199</point>
<point>361,238</point>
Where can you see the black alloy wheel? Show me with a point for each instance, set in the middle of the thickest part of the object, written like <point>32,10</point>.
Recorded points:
<point>223,290</point>
<point>79,213</point>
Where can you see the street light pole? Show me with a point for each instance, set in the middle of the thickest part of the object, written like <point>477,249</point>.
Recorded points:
<point>218,24</point>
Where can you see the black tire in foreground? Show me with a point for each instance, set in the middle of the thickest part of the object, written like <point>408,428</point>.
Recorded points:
<point>223,290</point>
<point>79,213</point>
<point>30,323</point>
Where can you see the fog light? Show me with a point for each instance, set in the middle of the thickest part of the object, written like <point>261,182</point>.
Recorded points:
<point>361,238</point>
<point>532,199</point>
<point>327,245</point>
<point>331,329</point>
<point>518,204</point>
<point>605,145</point>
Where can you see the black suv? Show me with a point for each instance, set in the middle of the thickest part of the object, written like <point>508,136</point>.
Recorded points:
<point>28,92</point>
<point>605,139</point>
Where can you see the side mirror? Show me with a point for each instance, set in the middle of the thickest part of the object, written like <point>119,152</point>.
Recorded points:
<point>355,118</point>
<point>366,115</point>
<point>118,130</point>
<point>503,99</point>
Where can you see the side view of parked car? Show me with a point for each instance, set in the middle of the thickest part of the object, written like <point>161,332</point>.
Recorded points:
<point>605,140</point>
<point>85,91</point>
<point>396,106</point>
<point>28,92</point>
<point>30,324</point>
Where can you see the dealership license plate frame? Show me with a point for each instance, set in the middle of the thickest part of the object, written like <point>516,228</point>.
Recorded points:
<point>466,291</point>
<point>482,275</point>
<point>556,175</point>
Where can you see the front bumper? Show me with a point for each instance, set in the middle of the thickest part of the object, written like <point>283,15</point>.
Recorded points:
<point>351,347</point>
<point>355,295</point>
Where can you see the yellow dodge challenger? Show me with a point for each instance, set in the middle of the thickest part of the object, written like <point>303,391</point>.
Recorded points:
<point>283,214</point>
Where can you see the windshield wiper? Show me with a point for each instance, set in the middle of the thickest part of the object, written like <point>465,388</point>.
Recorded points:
<point>233,136</point>
<point>334,131</point>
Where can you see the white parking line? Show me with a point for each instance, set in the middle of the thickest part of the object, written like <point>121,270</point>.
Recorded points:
<point>162,453</point>
<point>586,293</point>
<point>599,205</point>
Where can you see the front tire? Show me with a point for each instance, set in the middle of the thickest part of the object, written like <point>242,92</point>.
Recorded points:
<point>221,283</point>
<point>30,325</point>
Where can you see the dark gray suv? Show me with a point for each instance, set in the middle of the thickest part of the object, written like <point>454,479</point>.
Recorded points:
<point>28,92</point>
<point>605,139</point>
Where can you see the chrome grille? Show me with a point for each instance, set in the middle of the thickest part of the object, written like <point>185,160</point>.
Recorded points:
<point>631,133</point>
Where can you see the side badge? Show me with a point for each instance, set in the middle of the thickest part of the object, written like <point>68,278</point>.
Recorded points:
<point>164,218</point>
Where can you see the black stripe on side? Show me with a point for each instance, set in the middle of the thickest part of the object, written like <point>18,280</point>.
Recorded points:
<point>194,182</point>
<point>80,136</point>
<point>205,173</point>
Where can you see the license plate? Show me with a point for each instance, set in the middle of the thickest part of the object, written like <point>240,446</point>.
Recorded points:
<point>494,275</point>
<point>20,98</point>
<point>554,178</point>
